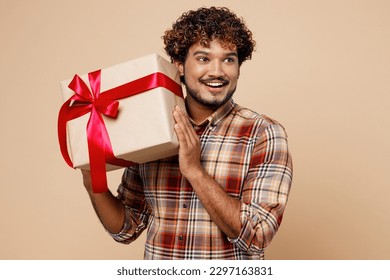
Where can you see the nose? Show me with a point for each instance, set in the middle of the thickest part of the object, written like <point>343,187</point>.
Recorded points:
<point>216,69</point>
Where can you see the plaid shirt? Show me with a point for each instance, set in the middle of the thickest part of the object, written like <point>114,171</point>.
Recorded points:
<point>247,154</point>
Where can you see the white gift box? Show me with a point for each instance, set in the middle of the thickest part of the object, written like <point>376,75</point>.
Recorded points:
<point>143,130</point>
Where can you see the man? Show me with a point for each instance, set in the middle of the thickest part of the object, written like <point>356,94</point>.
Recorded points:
<point>224,195</point>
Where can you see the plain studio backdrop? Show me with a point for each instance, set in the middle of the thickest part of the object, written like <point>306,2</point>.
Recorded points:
<point>321,68</point>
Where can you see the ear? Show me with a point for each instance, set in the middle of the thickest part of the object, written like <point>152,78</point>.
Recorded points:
<point>180,66</point>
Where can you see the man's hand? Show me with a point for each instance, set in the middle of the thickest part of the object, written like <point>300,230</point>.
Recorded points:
<point>189,149</point>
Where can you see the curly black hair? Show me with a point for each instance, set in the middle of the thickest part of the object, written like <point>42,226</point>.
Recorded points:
<point>204,25</point>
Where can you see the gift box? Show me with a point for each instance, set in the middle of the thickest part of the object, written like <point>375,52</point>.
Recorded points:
<point>120,115</point>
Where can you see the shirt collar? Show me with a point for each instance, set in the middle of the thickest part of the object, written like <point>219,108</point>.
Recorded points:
<point>215,118</point>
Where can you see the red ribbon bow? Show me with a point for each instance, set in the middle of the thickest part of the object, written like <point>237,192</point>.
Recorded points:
<point>92,101</point>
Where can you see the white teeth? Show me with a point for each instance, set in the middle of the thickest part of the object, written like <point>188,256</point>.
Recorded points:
<point>215,84</point>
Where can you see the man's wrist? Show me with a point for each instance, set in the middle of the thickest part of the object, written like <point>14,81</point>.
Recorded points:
<point>197,176</point>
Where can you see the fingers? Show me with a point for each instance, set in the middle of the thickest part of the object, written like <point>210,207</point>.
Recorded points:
<point>185,121</point>
<point>181,136</point>
<point>180,129</point>
<point>184,130</point>
<point>189,144</point>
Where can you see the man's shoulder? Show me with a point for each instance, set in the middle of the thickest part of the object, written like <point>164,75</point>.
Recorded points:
<point>250,115</point>
<point>258,123</point>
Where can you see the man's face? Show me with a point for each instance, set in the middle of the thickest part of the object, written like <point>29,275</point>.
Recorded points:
<point>210,74</point>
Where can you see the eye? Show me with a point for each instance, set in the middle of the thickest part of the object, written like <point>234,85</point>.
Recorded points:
<point>203,59</point>
<point>230,59</point>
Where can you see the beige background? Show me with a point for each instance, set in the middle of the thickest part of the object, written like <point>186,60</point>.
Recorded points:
<point>321,68</point>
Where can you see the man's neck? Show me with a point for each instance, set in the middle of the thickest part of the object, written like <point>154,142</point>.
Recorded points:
<point>196,111</point>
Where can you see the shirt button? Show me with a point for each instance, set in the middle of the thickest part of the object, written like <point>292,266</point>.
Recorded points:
<point>180,237</point>
<point>185,205</point>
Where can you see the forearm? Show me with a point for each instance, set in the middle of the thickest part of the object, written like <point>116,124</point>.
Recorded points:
<point>108,208</point>
<point>223,209</point>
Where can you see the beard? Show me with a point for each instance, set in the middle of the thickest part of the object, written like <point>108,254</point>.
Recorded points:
<point>212,104</point>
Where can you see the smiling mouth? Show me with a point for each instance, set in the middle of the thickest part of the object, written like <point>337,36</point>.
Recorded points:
<point>214,83</point>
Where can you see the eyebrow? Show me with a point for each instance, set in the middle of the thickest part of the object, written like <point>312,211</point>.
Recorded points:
<point>207,53</point>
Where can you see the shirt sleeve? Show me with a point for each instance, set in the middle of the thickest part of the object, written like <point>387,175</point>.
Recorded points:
<point>130,193</point>
<point>265,190</point>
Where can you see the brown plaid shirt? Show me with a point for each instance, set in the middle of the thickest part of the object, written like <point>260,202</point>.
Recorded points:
<point>247,154</point>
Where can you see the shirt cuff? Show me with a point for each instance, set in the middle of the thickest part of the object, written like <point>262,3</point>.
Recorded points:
<point>249,222</point>
<point>123,235</point>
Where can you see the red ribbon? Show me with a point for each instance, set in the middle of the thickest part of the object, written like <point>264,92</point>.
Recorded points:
<point>93,101</point>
